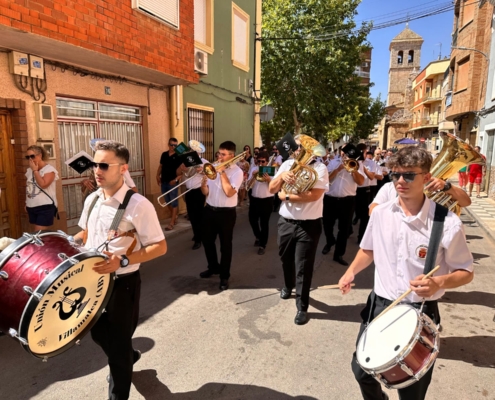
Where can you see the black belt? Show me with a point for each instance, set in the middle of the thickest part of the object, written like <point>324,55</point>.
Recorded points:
<point>121,276</point>
<point>299,221</point>
<point>219,208</point>
<point>387,302</point>
<point>340,198</point>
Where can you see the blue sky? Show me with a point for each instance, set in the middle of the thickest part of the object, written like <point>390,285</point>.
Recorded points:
<point>434,30</point>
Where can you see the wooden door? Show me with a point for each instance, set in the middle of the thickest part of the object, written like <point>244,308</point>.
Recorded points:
<point>9,205</point>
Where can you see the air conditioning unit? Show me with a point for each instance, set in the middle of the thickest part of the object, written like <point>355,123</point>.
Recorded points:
<point>200,62</point>
<point>44,121</point>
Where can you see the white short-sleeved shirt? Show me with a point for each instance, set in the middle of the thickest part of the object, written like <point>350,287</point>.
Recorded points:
<point>260,189</point>
<point>377,171</point>
<point>216,196</point>
<point>195,182</point>
<point>279,160</point>
<point>305,211</point>
<point>370,166</point>
<point>139,214</point>
<point>400,244</point>
<point>343,184</point>
<point>386,193</point>
<point>34,196</point>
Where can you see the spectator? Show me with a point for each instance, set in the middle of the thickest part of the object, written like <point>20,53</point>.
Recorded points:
<point>463,179</point>
<point>476,172</point>
<point>41,195</point>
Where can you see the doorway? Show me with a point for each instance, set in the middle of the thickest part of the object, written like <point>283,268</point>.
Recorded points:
<point>10,225</point>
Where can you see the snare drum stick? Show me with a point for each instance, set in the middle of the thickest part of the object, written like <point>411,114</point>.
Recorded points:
<point>332,286</point>
<point>407,293</point>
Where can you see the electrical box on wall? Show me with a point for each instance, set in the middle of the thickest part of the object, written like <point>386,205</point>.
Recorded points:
<point>44,121</point>
<point>18,63</point>
<point>36,67</point>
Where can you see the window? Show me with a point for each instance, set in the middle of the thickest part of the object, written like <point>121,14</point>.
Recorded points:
<point>410,58</point>
<point>203,25</point>
<point>163,10</point>
<point>468,11</point>
<point>200,127</point>
<point>400,57</point>
<point>240,38</point>
<point>462,75</point>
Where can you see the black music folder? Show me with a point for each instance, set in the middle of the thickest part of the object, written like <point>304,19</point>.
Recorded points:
<point>79,162</point>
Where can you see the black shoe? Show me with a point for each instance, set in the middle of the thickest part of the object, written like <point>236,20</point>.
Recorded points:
<point>256,243</point>
<point>261,251</point>
<point>208,273</point>
<point>301,318</point>
<point>285,293</point>
<point>326,249</point>
<point>341,261</point>
<point>224,284</point>
<point>196,246</point>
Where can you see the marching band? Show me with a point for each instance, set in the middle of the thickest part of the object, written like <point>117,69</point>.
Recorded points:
<point>406,228</point>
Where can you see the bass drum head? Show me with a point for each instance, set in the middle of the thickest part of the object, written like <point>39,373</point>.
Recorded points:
<point>387,337</point>
<point>65,305</point>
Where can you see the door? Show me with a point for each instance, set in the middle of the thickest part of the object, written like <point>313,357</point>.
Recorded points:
<point>10,224</point>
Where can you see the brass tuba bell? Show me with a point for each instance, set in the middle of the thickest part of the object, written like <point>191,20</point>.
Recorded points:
<point>455,155</point>
<point>306,176</point>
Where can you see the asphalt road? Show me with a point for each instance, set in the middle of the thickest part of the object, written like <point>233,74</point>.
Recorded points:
<point>200,343</point>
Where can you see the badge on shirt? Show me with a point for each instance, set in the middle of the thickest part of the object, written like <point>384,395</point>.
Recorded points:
<point>421,251</point>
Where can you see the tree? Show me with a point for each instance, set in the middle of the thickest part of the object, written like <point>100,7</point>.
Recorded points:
<point>309,75</point>
<point>372,111</point>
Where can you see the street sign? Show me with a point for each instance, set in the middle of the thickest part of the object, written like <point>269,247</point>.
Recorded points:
<point>266,113</point>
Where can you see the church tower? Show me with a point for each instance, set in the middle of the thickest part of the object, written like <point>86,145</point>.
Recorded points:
<point>405,58</point>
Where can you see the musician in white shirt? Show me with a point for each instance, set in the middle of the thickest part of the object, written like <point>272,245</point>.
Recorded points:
<point>220,214</point>
<point>397,240</point>
<point>299,230</point>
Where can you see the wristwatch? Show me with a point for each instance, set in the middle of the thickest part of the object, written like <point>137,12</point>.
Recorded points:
<point>286,197</point>
<point>447,186</point>
<point>124,261</point>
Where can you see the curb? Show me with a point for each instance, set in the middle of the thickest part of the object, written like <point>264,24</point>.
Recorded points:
<point>480,222</point>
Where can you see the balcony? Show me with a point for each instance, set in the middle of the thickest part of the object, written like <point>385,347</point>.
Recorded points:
<point>428,122</point>
<point>361,74</point>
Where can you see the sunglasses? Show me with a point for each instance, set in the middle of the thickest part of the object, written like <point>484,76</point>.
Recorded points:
<point>172,145</point>
<point>262,161</point>
<point>31,156</point>
<point>103,166</point>
<point>408,176</point>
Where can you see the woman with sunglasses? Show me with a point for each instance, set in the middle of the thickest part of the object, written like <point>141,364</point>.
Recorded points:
<point>397,240</point>
<point>41,195</point>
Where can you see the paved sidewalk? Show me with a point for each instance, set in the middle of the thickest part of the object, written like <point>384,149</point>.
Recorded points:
<point>482,210</point>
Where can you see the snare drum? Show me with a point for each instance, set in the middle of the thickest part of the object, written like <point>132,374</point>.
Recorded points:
<point>398,348</point>
<point>50,297</point>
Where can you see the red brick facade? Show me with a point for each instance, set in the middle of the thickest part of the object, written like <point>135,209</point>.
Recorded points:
<point>110,27</point>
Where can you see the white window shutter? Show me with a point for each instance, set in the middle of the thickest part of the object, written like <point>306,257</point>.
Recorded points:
<point>166,10</point>
<point>200,21</point>
<point>240,40</point>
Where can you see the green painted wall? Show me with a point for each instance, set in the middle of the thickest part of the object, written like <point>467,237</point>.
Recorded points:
<point>233,120</point>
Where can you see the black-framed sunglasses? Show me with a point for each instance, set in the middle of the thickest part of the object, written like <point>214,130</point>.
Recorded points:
<point>103,166</point>
<point>408,176</point>
<point>173,144</point>
<point>262,161</point>
<point>30,156</point>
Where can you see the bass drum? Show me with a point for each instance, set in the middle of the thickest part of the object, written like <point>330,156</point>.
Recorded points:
<point>50,297</point>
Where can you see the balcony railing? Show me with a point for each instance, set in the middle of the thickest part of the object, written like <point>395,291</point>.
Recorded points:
<point>433,120</point>
<point>362,74</point>
<point>432,96</point>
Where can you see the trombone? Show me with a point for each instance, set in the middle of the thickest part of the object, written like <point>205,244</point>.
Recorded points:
<point>211,172</point>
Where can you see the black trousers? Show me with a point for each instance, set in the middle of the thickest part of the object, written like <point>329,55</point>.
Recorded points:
<point>276,202</point>
<point>195,203</point>
<point>218,221</point>
<point>259,217</point>
<point>373,192</point>
<point>113,333</point>
<point>370,388</point>
<point>341,209</point>
<point>362,203</point>
<point>297,243</point>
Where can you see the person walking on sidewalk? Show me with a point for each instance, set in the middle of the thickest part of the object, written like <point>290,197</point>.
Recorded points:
<point>476,173</point>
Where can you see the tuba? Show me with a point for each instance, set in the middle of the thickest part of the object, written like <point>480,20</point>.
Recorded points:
<point>306,176</point>
<point>455,154</point>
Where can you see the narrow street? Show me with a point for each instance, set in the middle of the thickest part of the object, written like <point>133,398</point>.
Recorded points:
<point>198,343</point>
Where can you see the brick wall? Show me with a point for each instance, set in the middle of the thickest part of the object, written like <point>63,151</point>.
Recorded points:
<point>110,27</point>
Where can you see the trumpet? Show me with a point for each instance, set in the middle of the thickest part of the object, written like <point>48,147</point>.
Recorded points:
<point>211,172</point>
<point>351,165</point>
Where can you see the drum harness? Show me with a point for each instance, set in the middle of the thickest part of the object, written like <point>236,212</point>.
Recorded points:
<point>112,233</point>
<point>436,234</point>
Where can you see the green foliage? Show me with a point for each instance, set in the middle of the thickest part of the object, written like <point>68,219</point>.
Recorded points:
<point>311,83</point>
<point>372,111</point>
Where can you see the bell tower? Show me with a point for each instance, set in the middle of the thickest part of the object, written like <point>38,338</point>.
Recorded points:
<point>405,58</point>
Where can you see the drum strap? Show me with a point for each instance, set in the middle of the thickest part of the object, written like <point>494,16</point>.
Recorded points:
<point>435,237</point>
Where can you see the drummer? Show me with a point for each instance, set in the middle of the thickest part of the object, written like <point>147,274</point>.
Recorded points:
<point>139,230</point>
<point>397,240</point>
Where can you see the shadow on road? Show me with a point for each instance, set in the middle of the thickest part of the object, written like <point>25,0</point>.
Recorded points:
<point>479,256</point>
<point>476,350</point>
<point>474,237</point>
<point>151,388</point>
<point>475,297</point>
<point>343,313</point>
